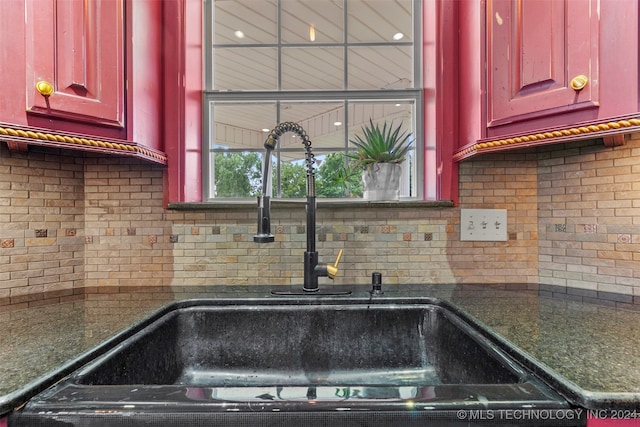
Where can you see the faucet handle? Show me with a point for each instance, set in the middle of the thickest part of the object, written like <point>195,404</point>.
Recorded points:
<point>332,270</point>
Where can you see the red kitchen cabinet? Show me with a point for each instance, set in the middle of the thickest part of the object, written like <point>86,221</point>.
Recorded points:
<point>550,71</point>
<point>542,59</point>
<point>84,75</point>
<point>75,60</point>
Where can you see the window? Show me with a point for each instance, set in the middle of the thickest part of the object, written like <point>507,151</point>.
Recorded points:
<point>328,65</point>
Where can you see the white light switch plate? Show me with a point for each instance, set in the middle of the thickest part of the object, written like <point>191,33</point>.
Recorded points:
<point>483,225</point>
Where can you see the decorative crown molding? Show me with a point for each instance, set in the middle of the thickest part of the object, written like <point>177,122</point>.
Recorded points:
<point>599,130</point>
<point>17,136</point>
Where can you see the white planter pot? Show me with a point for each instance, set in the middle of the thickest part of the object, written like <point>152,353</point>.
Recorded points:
<point>381,181</point>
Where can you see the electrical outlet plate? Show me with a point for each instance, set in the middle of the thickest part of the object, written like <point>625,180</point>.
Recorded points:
<point>483,225</point>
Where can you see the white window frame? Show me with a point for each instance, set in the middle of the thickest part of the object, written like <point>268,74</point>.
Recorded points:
<point>212,97</point>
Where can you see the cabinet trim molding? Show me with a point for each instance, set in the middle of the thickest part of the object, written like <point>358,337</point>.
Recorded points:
<point>19,136</point>
<point>595,130</point>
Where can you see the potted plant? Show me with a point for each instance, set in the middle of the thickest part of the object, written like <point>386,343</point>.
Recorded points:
<point>379,154</point>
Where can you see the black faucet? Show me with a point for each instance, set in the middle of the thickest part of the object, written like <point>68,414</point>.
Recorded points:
<point>312,269</point>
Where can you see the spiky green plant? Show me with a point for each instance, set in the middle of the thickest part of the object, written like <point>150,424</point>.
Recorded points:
<point>386,145</point>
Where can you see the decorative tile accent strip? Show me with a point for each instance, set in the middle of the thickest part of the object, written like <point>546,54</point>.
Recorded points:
<point>131,231</point>
<point>561,228</point>
<point>173,238</point>
<point>214,230</point>
<point>386,229</point>
<point>41,233</point>
<point>88,239</point>
<point>70,232</point>
<point>362,229</point>
<point>280,229</point>
<point>195,231</point>
<point>590,228</point>
<point>406,237</point>
<point>624,238</point>
<point>7,243</point>
<point>152,239</point>
<point>428,237</point>
<point>109,232</point>
<point>512,236</point>
<point>300,229</point>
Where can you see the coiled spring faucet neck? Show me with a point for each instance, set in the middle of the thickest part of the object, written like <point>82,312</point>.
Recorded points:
<point>281,129</point>
<point>264,204</point>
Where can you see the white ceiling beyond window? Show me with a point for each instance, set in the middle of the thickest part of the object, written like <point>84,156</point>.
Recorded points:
<point>317,64</point>
<point>312,57</point>
<point>368,21</point>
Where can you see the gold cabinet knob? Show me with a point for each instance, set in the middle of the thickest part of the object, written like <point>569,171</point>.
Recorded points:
<point>45,88</point>
<point>579,82</point>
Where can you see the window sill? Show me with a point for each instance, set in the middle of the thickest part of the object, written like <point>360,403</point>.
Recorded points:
<point>322,203</point>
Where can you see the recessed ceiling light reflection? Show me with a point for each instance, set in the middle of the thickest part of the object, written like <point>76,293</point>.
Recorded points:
<point>312,32</point>
<point>265,130</point>
<point>239,34</point>
<point>398,36</point>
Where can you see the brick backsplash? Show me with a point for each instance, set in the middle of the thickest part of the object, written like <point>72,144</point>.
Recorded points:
<point>71,221</point>
<point>589,216</point>
<point>42,198</point>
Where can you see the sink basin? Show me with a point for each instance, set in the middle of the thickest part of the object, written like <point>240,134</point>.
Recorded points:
<point>284,357</point>
<point>287,345</point>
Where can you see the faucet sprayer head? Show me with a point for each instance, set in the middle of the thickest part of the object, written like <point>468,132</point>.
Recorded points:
<point>264,204</point>
<point>264,207</point>
<point>264,222</point>
<point>270,143</point>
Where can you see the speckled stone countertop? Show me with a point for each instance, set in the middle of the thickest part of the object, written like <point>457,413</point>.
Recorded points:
<point>592,349</point>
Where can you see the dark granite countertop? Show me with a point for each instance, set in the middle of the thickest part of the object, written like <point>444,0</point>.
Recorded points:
<point>592,350</point>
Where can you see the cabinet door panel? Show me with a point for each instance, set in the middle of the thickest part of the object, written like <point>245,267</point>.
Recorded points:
<point>535,49</point>
<point>77,46</point>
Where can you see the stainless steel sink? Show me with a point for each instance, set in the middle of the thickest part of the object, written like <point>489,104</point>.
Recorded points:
<point>322,357</point>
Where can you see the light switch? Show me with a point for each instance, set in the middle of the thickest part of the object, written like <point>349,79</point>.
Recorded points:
<point>483,225</point>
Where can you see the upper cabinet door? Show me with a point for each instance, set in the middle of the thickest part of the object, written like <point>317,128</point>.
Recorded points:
<point>541,59</point>
<point>75,60</point>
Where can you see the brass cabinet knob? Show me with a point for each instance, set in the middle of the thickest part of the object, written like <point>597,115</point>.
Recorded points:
<point>579,82</point>
<point>45,88</point>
